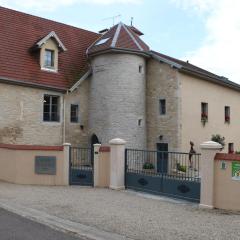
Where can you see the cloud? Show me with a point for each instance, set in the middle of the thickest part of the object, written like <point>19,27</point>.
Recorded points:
<point>220,49</point>
<point>50,5</point>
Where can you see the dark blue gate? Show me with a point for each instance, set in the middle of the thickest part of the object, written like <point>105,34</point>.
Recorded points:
<point>171,174</point>
<point>81,167</point>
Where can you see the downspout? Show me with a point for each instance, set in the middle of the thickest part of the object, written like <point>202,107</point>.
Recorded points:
<point>64,118</point>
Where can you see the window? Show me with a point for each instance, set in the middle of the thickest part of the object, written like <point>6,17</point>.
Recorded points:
<point>227,114</point>
<point>162,106</point>
<point>140,69</point>
<point>102,41</point>
<point>74,113</point>
<point>230,148</point>
<point>51,108</point>
<point>204,111</point>
<point>49,58</point>
<point>140,122</point>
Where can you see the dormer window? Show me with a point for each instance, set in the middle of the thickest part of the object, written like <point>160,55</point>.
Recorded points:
<point>49,58</point>
<point>50,48</point>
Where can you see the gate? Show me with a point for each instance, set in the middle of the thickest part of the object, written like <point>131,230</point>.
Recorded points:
<point>172,174</point>
<point>81,167</point>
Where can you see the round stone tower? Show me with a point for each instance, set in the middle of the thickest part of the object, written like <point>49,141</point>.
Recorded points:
<point>118,86</point>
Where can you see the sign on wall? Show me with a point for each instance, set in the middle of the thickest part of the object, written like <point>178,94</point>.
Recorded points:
<point>45,165</point>
<point>236,171</point>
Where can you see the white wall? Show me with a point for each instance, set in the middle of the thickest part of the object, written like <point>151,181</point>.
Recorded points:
<point>193,92</point>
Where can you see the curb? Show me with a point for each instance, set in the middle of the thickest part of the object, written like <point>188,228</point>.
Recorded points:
<point>63,225</point>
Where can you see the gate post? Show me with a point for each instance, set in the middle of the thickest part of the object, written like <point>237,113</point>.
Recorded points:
<point>96,173</point>
<point>209,150</point>
<point>117,164</point>
<point>66,163</point>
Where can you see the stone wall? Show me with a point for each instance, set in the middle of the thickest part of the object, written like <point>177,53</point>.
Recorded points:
<point>21,117</point>
<point>77,133</point>
<point>163,83</point>
<point>117,99</point>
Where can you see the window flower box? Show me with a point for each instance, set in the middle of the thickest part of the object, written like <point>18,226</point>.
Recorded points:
<point>227,119</point>
<point>204,118</point>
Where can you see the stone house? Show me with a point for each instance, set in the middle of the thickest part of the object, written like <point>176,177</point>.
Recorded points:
<point>60,83</point>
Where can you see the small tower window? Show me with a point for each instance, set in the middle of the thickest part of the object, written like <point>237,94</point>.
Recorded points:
<point>49,58</point>
<point>162,106</point>
<point>140,69</point>
<point>74,113</point>
<point>139,122</point>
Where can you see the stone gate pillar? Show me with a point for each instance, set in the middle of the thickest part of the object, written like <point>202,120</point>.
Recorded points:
<point>117,164</point>
<point>208,152</point>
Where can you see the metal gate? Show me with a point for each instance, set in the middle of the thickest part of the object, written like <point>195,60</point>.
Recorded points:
<point>81,167</point>
<point>171,174</point>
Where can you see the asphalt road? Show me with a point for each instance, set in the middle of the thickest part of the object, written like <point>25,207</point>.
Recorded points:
<point>14,227</point>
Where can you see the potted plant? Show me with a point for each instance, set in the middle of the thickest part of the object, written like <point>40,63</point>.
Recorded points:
<point>227,119</point>
<point>219,139</point>
<point>148,167</point>
<point>204,118</point>
<point>181,168</point>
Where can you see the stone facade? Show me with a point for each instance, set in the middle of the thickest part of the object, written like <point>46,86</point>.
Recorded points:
<point>21,118</point>
<point>77,133</point>
<point>117,98</point>
<point>163,83</point>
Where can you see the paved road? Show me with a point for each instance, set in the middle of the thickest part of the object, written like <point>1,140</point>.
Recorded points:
<point>14,227</point>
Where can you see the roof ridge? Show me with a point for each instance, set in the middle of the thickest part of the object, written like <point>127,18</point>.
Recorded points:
<point>133,38</point>
<point>116,35</point>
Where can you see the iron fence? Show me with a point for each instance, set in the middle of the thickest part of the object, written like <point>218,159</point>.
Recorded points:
<point>177,165</point>
<point>81,158</point>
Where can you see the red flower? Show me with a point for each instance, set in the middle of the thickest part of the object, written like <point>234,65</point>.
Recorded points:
<point>204,115</point>
<point>227,118</point>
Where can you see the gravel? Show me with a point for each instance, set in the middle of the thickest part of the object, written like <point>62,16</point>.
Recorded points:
<point>134,215</point>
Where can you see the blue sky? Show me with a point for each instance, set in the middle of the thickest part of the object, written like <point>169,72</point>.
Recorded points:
<point>194,30</point>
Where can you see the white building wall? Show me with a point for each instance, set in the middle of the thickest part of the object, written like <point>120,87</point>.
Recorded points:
<point>194,91</point>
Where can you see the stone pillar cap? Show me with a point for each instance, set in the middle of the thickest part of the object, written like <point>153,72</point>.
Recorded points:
<point>117,141</point>
<point>211,145</point>
<point>67,144</point>
<point>97,144</point>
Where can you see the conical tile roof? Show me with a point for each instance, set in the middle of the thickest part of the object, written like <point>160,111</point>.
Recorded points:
<point>120,37</point>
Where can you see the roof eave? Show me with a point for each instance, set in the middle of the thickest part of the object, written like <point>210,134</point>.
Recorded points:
<point>32,85</point>
<point>217,80</point>
<point>79,82</point>
<point>164,60</point>
<point>51,35</point>
<point>120,50</point>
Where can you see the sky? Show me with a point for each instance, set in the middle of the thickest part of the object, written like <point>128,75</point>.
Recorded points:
<point>205,32</point>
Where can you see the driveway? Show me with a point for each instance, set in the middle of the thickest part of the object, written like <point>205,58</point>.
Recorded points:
<point>136,216</point>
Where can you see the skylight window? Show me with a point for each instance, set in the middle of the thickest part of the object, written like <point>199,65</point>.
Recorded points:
<point>102,41</point>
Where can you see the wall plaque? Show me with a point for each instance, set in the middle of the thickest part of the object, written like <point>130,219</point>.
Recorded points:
<point>45,165</point>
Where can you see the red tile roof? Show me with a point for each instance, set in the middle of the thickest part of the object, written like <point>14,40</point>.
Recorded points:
<point>120,37</point>
<point>19,33</point>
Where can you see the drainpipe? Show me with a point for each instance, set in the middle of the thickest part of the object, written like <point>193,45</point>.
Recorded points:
<point>64,118</point>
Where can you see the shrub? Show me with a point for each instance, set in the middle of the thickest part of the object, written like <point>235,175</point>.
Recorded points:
<point>219,139</point>
<point>148,165</point>
<point>181,168</point>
